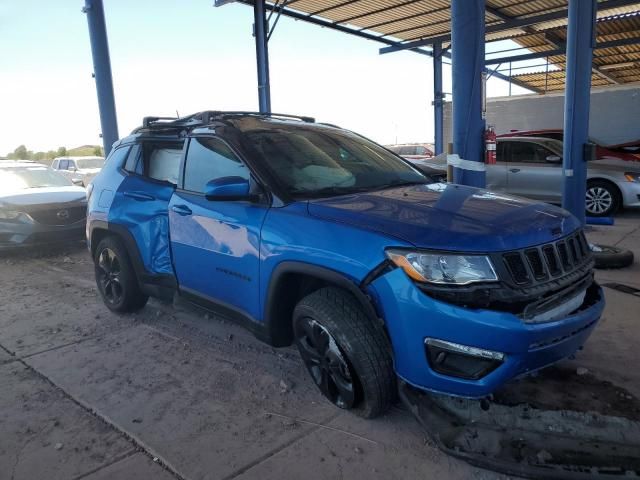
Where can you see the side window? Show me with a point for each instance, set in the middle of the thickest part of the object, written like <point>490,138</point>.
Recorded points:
<point>54,164</point>
<point>501,152</point>
<point>409,150</point>
<point>522,152</point>
<point>71,165</point>
<point>117,156</point>
<point>420,150</point>
<point>132,163</point>
<point>529,152</point>
<point>63,165</point>
<point>209,159</point>
<point>162,162</point>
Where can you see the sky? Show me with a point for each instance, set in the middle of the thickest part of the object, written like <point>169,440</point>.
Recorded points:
<point>185,56</point>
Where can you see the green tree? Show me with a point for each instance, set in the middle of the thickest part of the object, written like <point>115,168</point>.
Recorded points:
<point>62,152</point>
<point>19,153</point>
<point>97,151</point>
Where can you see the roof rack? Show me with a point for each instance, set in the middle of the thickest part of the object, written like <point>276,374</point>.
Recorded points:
<point>205,118</point>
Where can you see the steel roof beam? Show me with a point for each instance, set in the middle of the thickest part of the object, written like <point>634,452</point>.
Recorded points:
<point>561,51</point>
<point>324,23</point>
<point>517,22</point>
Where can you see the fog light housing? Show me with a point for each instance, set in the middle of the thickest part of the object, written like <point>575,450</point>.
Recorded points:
<point>461,361</point>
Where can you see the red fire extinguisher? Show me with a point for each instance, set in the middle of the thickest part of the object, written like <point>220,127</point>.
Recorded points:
<point>490,145</point>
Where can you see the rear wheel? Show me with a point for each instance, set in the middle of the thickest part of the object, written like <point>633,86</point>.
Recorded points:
<point>602,198</point>
<point>346,353</point>
<point>115,277</point>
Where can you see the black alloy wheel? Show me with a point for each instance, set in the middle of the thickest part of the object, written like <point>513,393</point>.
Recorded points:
<point>346,352</point>
<point>116,279</point>
<point>108,273</point>
<point>325,362</point>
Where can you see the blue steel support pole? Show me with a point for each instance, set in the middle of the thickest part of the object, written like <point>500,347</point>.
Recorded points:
<point>262,56</point>
<point>102,72</point>
<point>467,63</point>
<point>438,98</point>
<point>580,43</point>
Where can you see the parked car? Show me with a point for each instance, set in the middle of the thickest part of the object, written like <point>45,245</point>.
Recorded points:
<point>413,151</point>
<point>312,235</point>
<point>628,151</point>
<point>38,206</point>
<point>532,167</point>
<point>83,169</point>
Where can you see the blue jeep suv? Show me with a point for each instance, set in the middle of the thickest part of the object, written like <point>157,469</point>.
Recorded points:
<point>312,235</point>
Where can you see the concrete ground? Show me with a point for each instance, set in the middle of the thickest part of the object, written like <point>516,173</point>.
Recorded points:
<point>172,392</point>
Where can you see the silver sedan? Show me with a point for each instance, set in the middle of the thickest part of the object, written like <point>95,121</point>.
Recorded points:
<point>532,167</point>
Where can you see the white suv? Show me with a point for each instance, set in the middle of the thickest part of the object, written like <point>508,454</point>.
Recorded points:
<point>78,168</point>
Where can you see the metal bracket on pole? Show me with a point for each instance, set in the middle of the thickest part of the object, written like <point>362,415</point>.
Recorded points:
<point>279,7</point>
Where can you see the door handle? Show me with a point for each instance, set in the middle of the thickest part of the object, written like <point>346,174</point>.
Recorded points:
<point>181,210</point>
<point>514,170</point>
<point>140,196</point>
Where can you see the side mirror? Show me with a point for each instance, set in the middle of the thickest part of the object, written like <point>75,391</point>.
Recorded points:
<point>553,159</point>
<point>77,181</point>
<point>228,188</point>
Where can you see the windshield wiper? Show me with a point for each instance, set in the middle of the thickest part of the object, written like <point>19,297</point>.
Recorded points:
<point>337,190</point>
<point>329,191</point>
<point>401,183</point>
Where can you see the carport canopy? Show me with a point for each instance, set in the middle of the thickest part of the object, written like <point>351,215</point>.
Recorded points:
<point>582,42</point>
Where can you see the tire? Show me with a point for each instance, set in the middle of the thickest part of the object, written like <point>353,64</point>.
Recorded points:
<point>603,198</point>
<point>611,257</point>
<point>341,346</point>
<point>115,277</point>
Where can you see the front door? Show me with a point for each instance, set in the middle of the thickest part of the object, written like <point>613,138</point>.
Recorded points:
<point>216,244</point>
<point>497,173</point>
<point>531,175</point>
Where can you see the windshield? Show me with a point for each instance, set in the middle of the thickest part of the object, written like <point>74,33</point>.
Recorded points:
<point>84,163</point>
<point>21,178</point>
<point>314,162</point>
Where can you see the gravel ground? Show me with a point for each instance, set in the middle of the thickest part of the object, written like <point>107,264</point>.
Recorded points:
<point>174,392</point>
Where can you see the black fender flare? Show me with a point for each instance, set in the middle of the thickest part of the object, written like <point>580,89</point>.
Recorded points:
<point>279,327</point>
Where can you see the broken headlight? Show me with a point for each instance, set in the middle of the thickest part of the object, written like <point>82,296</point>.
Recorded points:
<point>444,268</point>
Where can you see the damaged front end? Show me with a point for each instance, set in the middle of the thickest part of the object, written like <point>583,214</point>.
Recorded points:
<point>469,340</point>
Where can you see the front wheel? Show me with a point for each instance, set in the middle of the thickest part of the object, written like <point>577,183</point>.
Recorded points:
<point>602,199</point>
<point>346,353</point>
<point>115,277</point>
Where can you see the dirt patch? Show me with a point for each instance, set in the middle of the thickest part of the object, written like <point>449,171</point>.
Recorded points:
<point>561,388</point>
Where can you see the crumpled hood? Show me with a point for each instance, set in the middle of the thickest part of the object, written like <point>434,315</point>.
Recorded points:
<point>450,217</point>
<point>38,196</point>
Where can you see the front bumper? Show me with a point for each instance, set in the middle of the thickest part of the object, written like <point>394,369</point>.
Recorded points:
<point>22,235</point>
<point>411,316</point>
<point>630,194</point>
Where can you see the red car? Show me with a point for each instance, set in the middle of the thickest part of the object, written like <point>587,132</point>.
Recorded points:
<point>627,151</point>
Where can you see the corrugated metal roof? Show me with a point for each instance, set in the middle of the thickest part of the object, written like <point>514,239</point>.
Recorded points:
<point>422,20</point>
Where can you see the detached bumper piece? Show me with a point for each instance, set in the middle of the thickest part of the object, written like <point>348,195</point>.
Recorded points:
<point>531,443</point>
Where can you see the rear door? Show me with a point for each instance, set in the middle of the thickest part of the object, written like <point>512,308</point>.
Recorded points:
<point>530,175</point>
<point>216,244</point>
<point>141,202</point>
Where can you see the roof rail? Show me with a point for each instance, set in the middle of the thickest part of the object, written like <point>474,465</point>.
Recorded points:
<point>206,117</point>
<point>264,114</point>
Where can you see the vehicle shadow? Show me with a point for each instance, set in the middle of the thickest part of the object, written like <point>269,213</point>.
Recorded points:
<point>54,250</point>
